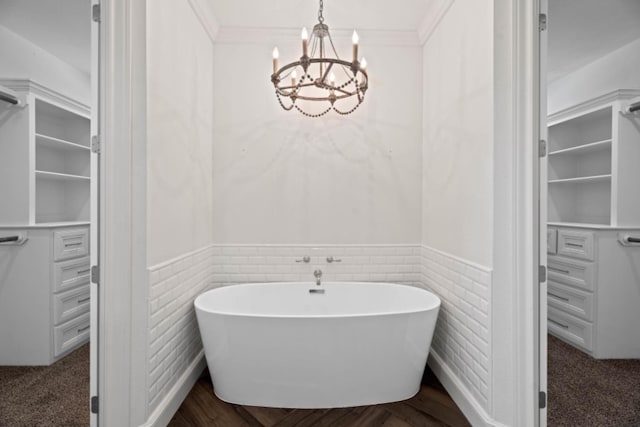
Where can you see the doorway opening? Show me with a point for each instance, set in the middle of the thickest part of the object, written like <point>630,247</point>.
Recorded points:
<point>47,214</point>
<point>593,213</point>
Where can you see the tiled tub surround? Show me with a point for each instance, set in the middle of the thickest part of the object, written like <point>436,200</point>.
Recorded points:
<point>174,338</point>
<point>279,263</point>
<point>462,339</point>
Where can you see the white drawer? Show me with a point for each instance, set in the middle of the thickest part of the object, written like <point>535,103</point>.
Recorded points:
<point>571,329</point>
<point>71,243</point>
<point>571,272</point>
<point>576,244</point>
<point>72,273</point>
<point>552,241</point>
<point>70,304</point>
<point>571,300</point>
<point>71,334</point>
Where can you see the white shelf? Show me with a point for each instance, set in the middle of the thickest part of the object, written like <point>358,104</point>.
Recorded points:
<point>61,176</point>
<point>591,225</point>
<point>59,144</point>
<point>58,224</point>
<point>596,178</point>
<point>584,149</point>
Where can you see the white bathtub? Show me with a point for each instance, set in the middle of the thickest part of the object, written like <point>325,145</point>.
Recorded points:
<point>278,345</point>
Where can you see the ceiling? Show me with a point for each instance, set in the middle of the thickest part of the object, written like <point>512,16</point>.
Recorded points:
<point>62,27</point>
<point>581,31</point>
<point>340,14</point>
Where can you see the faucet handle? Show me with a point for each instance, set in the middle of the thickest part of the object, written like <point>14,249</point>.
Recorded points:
<point>304,259</point>
<point>331,259</point>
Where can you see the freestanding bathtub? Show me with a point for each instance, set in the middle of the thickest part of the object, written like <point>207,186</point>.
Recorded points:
<point>280,345</point>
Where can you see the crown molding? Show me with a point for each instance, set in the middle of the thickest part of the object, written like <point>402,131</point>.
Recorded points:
<point>248,35</point>
<point>591,104</point>
<point>432,19</point>
<point>23,86</point>
<point>204,13</point>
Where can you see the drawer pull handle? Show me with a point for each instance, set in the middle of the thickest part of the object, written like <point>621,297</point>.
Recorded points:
<point>558,296</point>
<point>84,271</point>
<point>80,330</point>
<point>80,301</point>
<point>69,245</point>
<point>575,245</point>
<point>559,270</point>
<point>559,324</point>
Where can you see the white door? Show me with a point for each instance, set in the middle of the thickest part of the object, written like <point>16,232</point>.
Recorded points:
<point>95,217</point>
<point>542,214</point>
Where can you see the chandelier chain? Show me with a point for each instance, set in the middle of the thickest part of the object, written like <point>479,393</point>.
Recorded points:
<point>320,17</point>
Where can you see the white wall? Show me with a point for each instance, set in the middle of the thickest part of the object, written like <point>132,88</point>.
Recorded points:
<point>468,153</point>
<point>280,177</point>
<point>179,208</point>
<point>619,69</point>
<point>24,60</point>
<point>457,196</point>
<point>180,138</point>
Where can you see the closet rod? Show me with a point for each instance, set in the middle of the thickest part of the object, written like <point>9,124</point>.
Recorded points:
<point>8,98</point>
<point>9,239</point>
<point>634,107</point>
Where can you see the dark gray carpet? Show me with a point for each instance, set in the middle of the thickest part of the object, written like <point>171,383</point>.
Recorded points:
<point>586,392</point>
<point>56,395</point>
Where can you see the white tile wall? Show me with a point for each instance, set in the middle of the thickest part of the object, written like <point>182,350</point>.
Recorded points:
<point>462,338</point>
<point>278,263</point>
<point>174,338</point>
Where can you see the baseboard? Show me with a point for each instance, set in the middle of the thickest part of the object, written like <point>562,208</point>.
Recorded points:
<point>167,408</point>
<point>471,409</point>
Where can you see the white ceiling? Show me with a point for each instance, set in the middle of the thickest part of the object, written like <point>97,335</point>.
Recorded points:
<point>62,27</point>
<point>581,31</point>
<point>396,15</point>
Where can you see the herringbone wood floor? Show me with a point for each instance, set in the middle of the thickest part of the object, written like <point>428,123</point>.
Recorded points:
<point>432,406</point>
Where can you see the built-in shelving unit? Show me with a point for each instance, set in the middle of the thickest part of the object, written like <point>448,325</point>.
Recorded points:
<point>591,150</point>
<point>46,157</point>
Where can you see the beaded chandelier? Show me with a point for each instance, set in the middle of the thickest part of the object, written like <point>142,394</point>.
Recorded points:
<point>317,84</point>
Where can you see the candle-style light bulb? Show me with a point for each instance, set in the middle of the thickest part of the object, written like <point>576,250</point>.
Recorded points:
<point>363,63</point>
<point>305,41</point>
<point>355,40</point>
<point>276,55</point>
<point>294,76</point>
<point>332,79</point>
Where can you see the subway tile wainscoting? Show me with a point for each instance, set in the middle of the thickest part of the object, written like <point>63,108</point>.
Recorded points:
<point>462,339</point>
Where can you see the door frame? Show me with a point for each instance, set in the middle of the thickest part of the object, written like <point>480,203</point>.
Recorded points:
<point>122,385</point>
<point>123,212</point>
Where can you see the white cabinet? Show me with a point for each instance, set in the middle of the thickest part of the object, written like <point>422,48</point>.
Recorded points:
<point>593,156</point>
<point>593,291</point>
<point>44,294</point>
<point>45,156</point>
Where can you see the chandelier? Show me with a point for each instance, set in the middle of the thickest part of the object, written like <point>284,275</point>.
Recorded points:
<point>317,83</point>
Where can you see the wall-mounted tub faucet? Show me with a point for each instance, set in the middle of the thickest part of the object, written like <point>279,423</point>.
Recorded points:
<point>318,275</point>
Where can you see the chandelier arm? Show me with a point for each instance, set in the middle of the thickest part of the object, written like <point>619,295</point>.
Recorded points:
<point>326,73</point>
<point>281,89</point>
